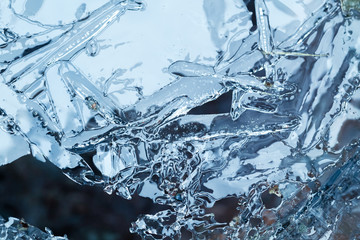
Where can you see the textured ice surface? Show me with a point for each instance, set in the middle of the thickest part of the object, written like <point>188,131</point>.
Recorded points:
<point>15,228</point>
<point>121,95</point>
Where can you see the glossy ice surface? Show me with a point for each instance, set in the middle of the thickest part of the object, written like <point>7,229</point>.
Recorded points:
<point>128,83</point>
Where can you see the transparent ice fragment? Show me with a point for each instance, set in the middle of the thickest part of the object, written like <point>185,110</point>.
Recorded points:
<point>112,160</point>
<point>236,107</point>
<point>262,20</point>
<point>259,102</point>
<point>189,69</point>
<point>15,228</point>
<point>178,98</point>
<point>67,111</point>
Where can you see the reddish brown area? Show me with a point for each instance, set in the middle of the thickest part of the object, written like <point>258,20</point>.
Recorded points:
<point>294,203</point>
<point>269,217</point>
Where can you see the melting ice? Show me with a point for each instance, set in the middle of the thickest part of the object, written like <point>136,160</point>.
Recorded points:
<point>120,80</point>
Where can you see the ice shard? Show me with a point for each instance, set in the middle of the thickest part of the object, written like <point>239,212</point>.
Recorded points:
<point>122,95</point>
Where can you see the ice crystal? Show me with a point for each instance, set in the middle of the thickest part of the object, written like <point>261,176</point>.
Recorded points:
<point>133,88</point>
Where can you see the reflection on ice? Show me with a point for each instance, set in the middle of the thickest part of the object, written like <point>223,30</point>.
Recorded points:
<point>120,86</point>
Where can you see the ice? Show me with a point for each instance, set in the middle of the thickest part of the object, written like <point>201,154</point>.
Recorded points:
<point>12,147</point>
<point>15,228</point>
<point>123,94</point>
<point>37,12</point>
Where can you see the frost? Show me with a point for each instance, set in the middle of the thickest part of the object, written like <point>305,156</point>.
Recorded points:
<point>136,89</point>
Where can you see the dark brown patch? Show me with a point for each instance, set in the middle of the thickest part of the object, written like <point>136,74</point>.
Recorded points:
<point>270,200</point>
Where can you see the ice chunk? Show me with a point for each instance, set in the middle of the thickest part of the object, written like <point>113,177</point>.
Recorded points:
<point>124,93</point>
<point>113,160</point>
<point>15,228</point>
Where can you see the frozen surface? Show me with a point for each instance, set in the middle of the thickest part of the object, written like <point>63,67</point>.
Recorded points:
<point>131,84</point>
